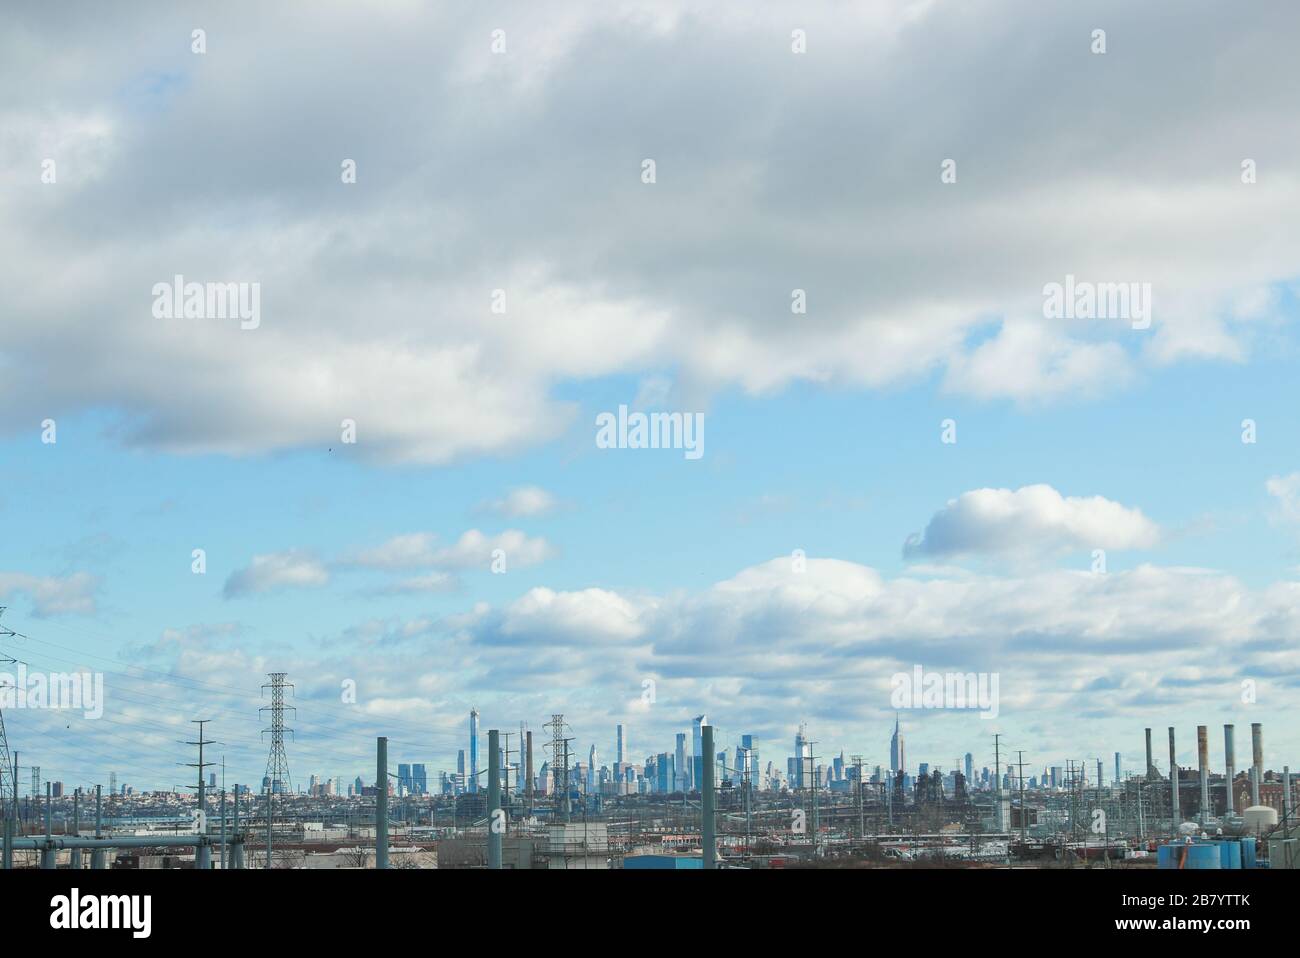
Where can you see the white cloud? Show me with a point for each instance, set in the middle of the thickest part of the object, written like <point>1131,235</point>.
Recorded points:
<point>473,549</point>
<point>278,570</point>
<point>1031,520</point>
<point>1286,490</point>
<point>587,617</point>
<point>53,595</point>
<point>375,297</point>
<point>407,551</point>
<point>1081,657</point>
<point>430,582</point>
<point>523,502</point>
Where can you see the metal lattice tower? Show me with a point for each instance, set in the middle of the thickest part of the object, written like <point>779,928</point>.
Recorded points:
<point>559,746</point>
<point>277,763</point>
<point>8,774</point>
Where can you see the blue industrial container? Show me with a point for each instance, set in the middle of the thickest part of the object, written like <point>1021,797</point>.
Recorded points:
<point>1203,856</point>
<point>669,862</point>
<point>1231,853</point>
<point>1248,853</point>
<point>1179,855</point>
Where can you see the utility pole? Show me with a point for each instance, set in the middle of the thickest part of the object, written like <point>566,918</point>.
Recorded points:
<point>202,851</point>
<point>1020,761</point>
<point>708,826</point>
<point>268,828</point>
<point>748,778</point>
<point>8,765</point>
<point>222,862</point>
<point>857,764</point>
<point>505,770</point>
<point>997,781</point>
<point>812,786</point>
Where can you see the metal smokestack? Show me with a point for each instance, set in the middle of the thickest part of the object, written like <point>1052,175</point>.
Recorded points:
<point>1173,781</point>
<point>1230,803</point>
<point>1203,755</point>
<point>1150,767</point>
<point>495,820</point>
<point>1257,759</point>
<point>707,799</point>
<point>528,785</point>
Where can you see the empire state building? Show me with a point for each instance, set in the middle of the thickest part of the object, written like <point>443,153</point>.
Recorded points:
<point>897,753</point>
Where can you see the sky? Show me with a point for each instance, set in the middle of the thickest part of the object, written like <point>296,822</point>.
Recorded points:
<point>393,472</point>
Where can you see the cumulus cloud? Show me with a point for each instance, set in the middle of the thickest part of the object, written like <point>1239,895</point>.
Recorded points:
<point>376,296</point>
<point>586,617</point>
<point>1031,520</point>
<point>765,647</point>
<point>53,595</point>
<point>772,642</point>
<point>277,570</point>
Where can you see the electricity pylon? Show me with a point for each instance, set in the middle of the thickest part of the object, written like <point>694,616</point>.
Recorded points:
<point>277,763</point>
<point>8,774</point>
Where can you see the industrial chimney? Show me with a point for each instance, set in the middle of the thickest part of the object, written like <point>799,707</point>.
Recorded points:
<point>1230,803</point>
<point>1173,781</point>
<point>1203,755</point>
<point>1257,759</point>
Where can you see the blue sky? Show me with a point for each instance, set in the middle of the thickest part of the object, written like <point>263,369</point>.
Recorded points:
<point>522,171</point>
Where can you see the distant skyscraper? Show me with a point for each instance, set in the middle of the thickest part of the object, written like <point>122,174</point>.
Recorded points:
<point>664,773</point>
<point>679,764</point>
<point>419,780</point>
<point>802,759</point>
<point>403,779</point>
<point>473,750</point>
<point>592,765</point>
<point>619,750</point>
<point>748,763</point>
<point>1118,776</point>
<point>897,750</point>
<point>970,767</point>
<point>697,750</point>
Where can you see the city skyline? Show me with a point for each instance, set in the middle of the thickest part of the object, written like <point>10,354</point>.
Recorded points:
<point>509,379</point>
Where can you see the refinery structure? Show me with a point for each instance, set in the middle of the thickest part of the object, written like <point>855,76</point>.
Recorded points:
<point>516,800</point>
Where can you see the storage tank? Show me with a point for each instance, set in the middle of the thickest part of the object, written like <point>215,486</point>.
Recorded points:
<point>1259,817</point>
